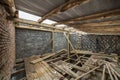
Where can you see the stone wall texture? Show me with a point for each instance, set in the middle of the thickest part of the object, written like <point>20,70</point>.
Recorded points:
<point>60,41</point>
<point>75,40</point>
<point>7,45</point>
<point>101,43</point>
<point>32,42</point>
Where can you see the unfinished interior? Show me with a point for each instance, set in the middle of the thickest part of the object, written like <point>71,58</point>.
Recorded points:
<point>85,47</point>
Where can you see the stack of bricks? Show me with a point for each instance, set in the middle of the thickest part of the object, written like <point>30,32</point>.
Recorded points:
<point>7,45</point>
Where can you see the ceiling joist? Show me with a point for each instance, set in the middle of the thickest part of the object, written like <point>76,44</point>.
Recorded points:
<point>67,5</point>
<point>98,20</point>
<point>99,29</point>
<point>106,23</point>
<point>92,16</point>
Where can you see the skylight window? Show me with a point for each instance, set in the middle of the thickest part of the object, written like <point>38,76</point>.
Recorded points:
<point>32,17</point>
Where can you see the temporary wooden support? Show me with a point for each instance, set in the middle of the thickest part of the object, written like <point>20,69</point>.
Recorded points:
<point>93,16</point>
<point>68,4</point>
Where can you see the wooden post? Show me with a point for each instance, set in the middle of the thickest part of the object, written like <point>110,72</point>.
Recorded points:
<point>52,41</point>
<point>68,46</point>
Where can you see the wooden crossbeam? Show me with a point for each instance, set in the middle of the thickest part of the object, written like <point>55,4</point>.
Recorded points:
<point>100,29</point>
<point>98,20</point>
<point>106,23</point>
<point>19,20</point>
<point>92,16</point>
<point>67,5</point>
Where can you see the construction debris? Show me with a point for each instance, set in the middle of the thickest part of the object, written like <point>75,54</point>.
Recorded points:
<point>85,66</point>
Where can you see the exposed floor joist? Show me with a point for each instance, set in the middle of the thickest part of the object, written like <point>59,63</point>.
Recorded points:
<point>67,5</point>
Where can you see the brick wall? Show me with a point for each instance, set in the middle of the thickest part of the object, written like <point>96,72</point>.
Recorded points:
<point>7,45</point>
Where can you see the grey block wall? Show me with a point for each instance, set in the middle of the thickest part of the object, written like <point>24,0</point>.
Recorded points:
<point>75,40</point>
<point>32,42</point>
<point>60,41</point>
<point>101,43</point>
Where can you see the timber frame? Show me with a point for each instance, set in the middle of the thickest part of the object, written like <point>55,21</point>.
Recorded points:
<point>67,5</point>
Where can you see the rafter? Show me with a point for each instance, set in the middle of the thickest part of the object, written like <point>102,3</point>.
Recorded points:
<point>99,29</point>
<point>67,5</point>
<point>105,23</point>
<point>92,16</point>
<point>98,20</point>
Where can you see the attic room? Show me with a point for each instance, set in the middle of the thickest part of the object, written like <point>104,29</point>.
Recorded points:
<point>59,39</point>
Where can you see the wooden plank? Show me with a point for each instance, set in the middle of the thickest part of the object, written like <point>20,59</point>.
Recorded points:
<point>18,72</point>
<point>87,72</point>
<point>20,64</point>
<point>64,70</point>
<point>30,69</point>
<point>40,70</point>
<point>48,56</point>
<point>109,72</point>
<point>41,59</point>
<point>103,74</point>
<point>112,71</point>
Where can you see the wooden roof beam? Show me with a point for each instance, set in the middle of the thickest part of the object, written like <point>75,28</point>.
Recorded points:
<point>67,5</point>
<point>100,29</point>
<point>98,20</point>
<point>92,16</point>
<point>107,23</point>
